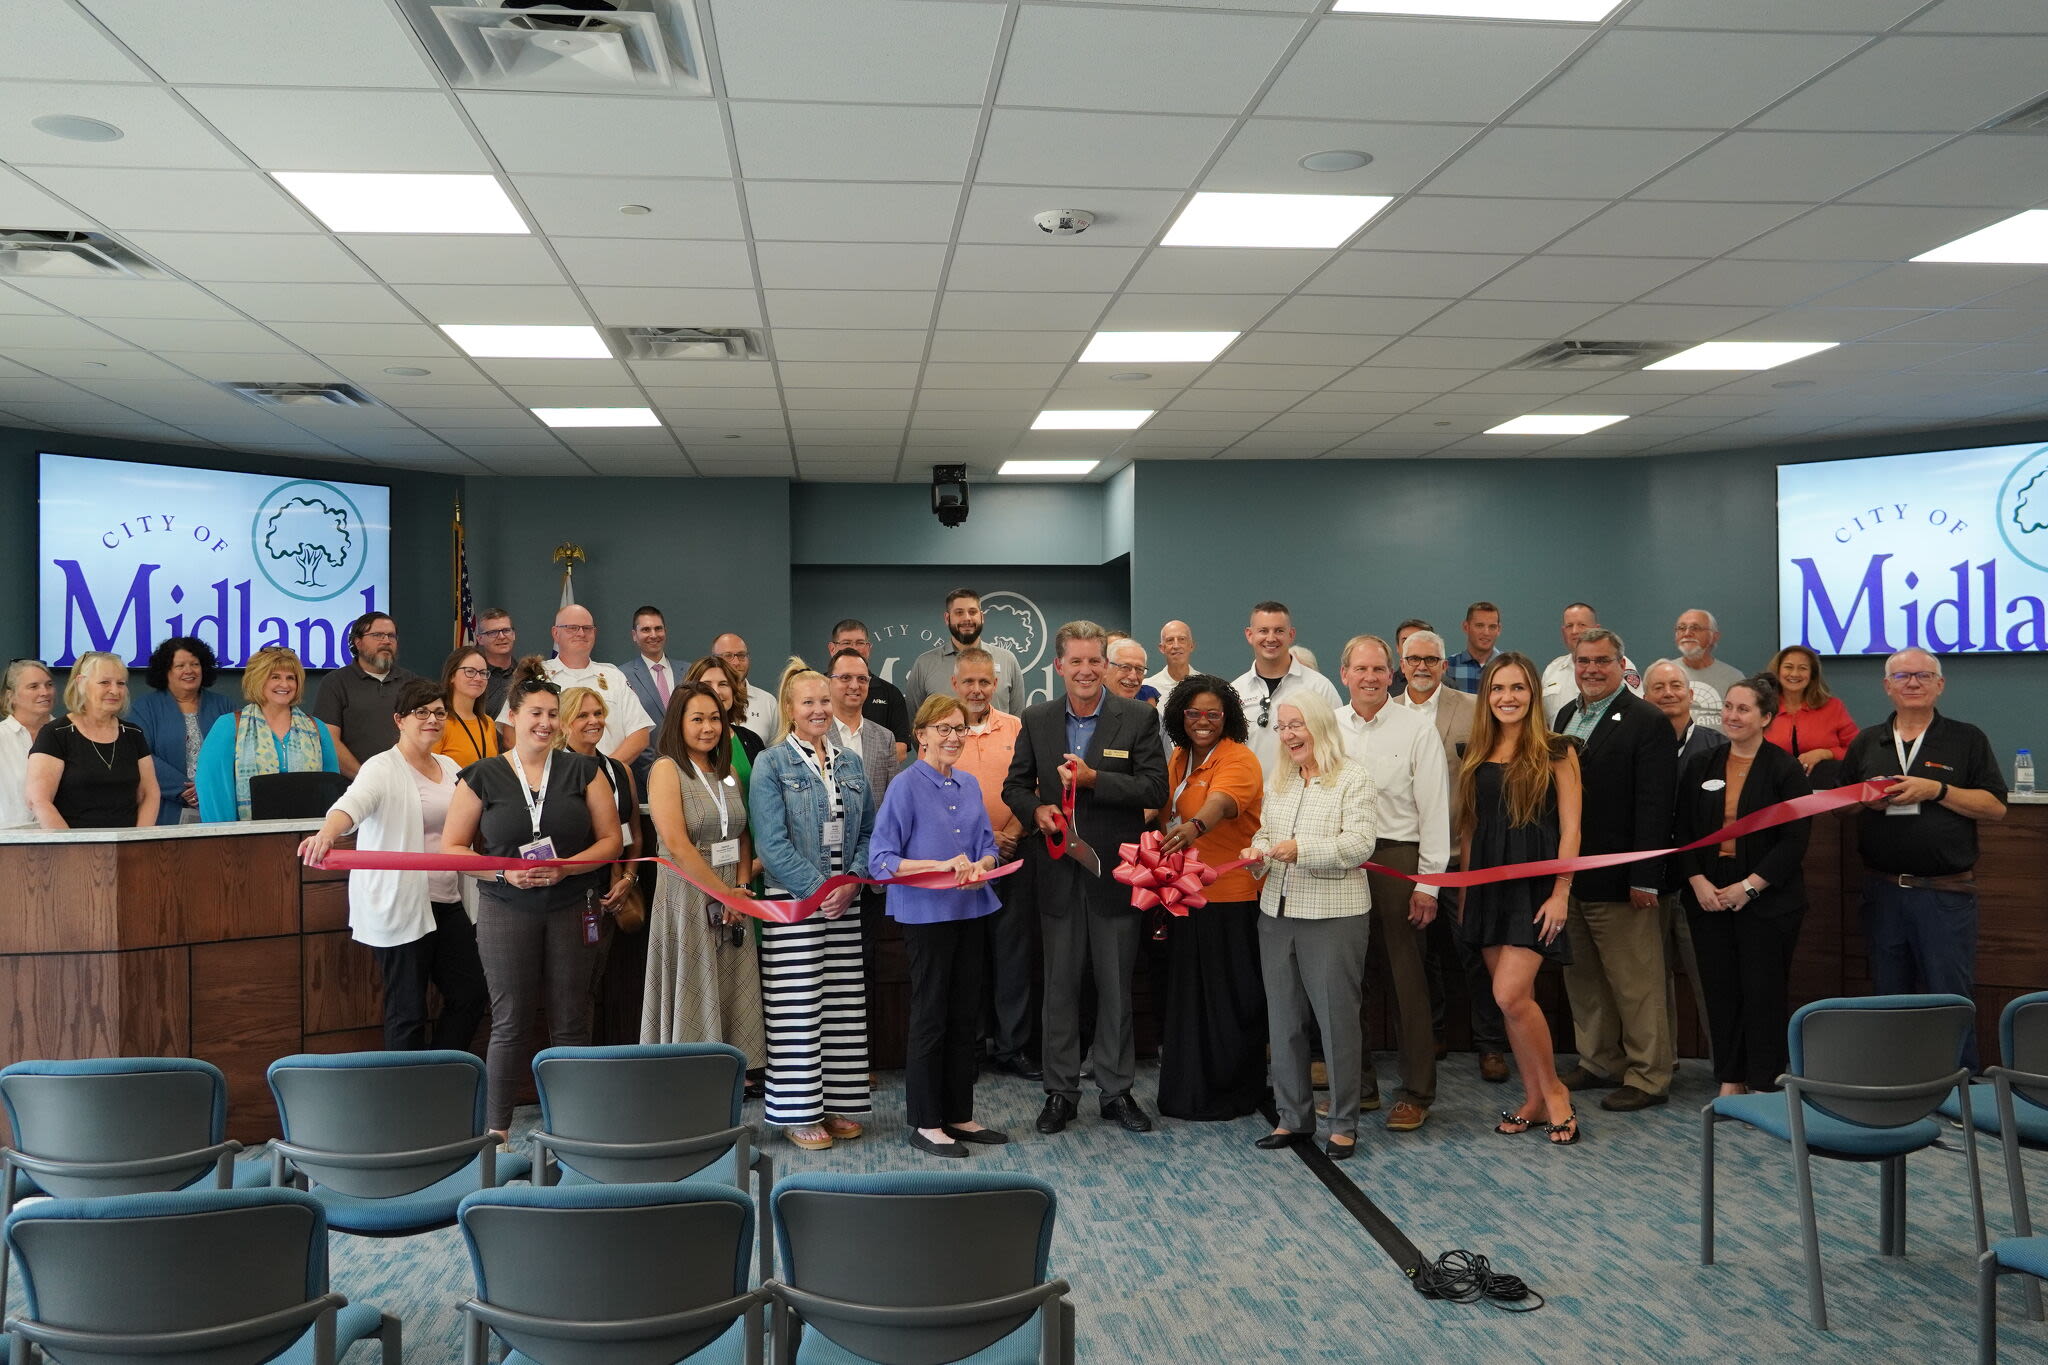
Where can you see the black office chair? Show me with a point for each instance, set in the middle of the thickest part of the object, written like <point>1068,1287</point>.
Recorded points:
<point>294,796</point>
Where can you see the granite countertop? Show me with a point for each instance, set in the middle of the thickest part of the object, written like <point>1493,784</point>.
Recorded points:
<point>156,832</point>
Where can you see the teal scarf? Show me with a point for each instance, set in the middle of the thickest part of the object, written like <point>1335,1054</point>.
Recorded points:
<point>259,751</point>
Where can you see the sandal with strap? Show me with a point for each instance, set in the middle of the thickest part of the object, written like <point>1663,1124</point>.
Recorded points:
<point>1522,1124</point>
<point>1569,1130</point>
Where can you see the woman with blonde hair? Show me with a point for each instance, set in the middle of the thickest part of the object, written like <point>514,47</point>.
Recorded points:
<point>92,770</point>
<point>270,734</point>
<point>584,714</point>
<point>1518,802</point>
<point>812,814</point>
<point>28,694</point>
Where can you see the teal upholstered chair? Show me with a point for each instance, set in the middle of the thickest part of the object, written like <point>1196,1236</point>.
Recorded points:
<point>2016,1096</point>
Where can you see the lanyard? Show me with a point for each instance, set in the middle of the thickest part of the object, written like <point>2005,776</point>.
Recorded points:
<point>1907,757</point>
<point>822,768</point>
<point>717,790</point>
<point>534,800</point>
<point>1189,775</point>
<point>485,729</point>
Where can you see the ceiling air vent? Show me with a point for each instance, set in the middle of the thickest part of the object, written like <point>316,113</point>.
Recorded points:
<point>71,256</point>
<point>2028,118</point>
<point>1595,355</point>
<point>686,343</point>
<point>301,395</point>
<point>615,46</point>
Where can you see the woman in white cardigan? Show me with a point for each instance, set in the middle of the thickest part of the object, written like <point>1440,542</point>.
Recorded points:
<point>420,926</point>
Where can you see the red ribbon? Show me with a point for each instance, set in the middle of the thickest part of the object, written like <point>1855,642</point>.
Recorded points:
<point>774,912</point>
<point>1171,880</point>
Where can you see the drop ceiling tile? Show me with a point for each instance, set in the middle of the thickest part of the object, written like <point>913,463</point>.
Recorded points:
<point>1452,352</point>
<point>1374,68</point>
<point>1637,228</point>
<point>1047,147</point>
<point>1047,265</point>
<point>628,261</point>
<point>1979,16</point>
<point>1191,312</point>
<point>1144,62</point>
<point>1670,383</point>
<point>589,206</point>
<point>1873,357</point>
<point>1224,270</point>
<point>1263,156</point>
<point>1044,311</point>
<point>626,306</point>
<point>1921,84</point>
<point>1429,223</point>
<point>581,134</point>
<point>343,130</point>
<point>428,402</point>
<point>1830,16</point>
<point>1414,274</point>
<point>404,259</point>
<point>1785,167</point>
<point>1357,316</point>
<point>1853,232</point>
<point>1965,324</point>
<point>255,257</point>
<point>1544,163</point>
<point>1344,423</point>
<point>38,390</point>
<point>1269,347</point>
<point>1004,213</point>
<point>366,338</point>
<point>847,373</point>
<point>852,142</point>
<point>860,308</point>
<point>1646,79</point>
<point>799,343</point>
<point>972,345</point>
<point>1612,279</point>
<point>1001,406</point>
<point>23,204</point>
<point>953,375</point>
<point>159,131</point>
<point>713,383</point>
<point>1930,285</point>
<point>886,51</point>
<point>576,395</point>
<point>1305,378</point>
<point>442,376</point>
<point>1548,383</point>
<point>126,298</point>
<point>182,335</point>
<point>1494,318</point>
<point>1286,443</point>
<point>864,401</point>
<point>528,304</point>
<point>267,365</point>
<point>1672,322</point>
<point>89,365</point>
<point>49,35</point>
<point>315,302</point>
<point>817,210</point>
<point>1229,400</point>
<point>337,42</point>
<point>1995,170</point>
<point>183,200</point>
<point>596,373</point>
<point>1832,324</point>
<point>1764,283</point>
<point>832,265</point>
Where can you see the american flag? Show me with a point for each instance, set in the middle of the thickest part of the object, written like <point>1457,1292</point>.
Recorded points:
<point>465,603</point>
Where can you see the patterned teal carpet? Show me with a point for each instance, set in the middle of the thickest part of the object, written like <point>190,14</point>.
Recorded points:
<point>1189,1245</point>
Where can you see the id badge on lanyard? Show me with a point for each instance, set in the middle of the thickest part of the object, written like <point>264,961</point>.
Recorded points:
<point>725,849</point>
<point>834,832</point>
<point>1907,757</point>
<point>542,848</point>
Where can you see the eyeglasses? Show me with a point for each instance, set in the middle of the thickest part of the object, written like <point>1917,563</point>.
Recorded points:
<point>1200,716</point>
<point>1921,677</point>
<point>474,672</point>
<point>1597,660</point>
<point>577,630</point>
<point>1290,727</point>
<point>849,644</point>
<point>733,656</point>
<point>380,635</point>
<point>1426,660</point>
<point>430,713</point>
<point>493,633</point>
<point>860,678</point>
<point>947,731</point>
<point>1138,669</point>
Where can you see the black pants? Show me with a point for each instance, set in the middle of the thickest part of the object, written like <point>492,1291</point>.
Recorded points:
<point>1442,944</point>
<point>1745,961</point>
<point>447,958</point>
<point>945,962</point>
<point>1213,1049</point>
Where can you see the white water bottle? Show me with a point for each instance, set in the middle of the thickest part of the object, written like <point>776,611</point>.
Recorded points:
<point>2023,773</point>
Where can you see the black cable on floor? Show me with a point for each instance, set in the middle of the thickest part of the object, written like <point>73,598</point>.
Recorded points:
<point>1467,1277</point>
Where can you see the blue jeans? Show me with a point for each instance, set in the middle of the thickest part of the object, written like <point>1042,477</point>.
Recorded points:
<point>1922,940</point>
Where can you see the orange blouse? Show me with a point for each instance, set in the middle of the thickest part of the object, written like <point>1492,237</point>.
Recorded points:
<point>1231,767</point>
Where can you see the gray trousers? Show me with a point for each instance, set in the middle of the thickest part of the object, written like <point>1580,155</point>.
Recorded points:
<point>531,958</point>
<point>1315,973</point>
<point>1013,967</point>
<point>1081,938</point>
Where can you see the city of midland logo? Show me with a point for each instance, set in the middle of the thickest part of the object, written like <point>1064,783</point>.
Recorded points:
<point>309,540</point>
<point>2023,509</point>
<point>1014,621</point>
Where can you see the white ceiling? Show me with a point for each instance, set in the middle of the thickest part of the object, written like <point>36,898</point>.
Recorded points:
<point>862,182</point>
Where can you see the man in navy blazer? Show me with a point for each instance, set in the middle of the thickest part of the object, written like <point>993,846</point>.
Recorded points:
<point>1109,749</point>
<point>1616,977</point>
<point>650,643</point>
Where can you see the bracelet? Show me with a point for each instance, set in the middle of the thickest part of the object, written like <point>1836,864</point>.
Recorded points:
<point>1942,795</point>
<point>1199,823</point>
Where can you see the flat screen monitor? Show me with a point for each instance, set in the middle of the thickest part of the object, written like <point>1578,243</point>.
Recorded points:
<point>1943,550</point>
<point>132,554</point>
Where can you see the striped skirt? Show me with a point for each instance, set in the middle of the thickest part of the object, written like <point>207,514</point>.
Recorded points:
<point>814,994</point>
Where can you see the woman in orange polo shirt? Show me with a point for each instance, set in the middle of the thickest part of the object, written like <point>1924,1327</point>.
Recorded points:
<point>1213,1055</point>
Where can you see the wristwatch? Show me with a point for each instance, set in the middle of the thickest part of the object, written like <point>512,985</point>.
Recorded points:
<point>1941,795</point>
<point>1751,891</point>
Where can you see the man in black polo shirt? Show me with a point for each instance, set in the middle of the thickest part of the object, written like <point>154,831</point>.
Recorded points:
<point>356,699</point>
<point>1920,839</point>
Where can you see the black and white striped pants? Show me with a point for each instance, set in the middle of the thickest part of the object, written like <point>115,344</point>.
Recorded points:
<point>814,994</point>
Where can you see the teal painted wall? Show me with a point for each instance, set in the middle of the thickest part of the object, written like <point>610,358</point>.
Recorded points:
<point>867,523</point>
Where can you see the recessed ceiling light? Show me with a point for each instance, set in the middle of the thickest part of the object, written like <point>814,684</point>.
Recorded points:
<point>597,417</point>
<point>1742,355</point>
<point>1335,161</point>
<point>77,128</point>
<point>2019,240</point>
<point>406,371</point>
<point>1272,220</point>
<point>493,341</point>
<point>1092,419</point>
<point>1554,424</point>
<point>1548,11</point>
<point>1130,376</point>
<point>1068,467</point>
<point>1156,348</point>
<point>634,210</point>
<point>348,201</point>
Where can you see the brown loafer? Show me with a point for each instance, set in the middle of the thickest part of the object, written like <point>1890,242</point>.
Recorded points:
<point>1631,1098</point>
<point>1406,1117</point>
<point>1493,1067</point>
<point>1578,1078</point>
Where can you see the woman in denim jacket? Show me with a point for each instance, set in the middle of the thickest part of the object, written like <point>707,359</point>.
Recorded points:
<point>811,813</point>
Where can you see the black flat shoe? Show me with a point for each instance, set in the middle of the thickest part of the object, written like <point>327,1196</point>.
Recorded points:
<point>1059,1111</point>
<point>925,1144</point>
<point>1126,1112</point>
<point>981,1137</point>
<point>1340,1151</point>
<point>1021,1067</point>
<point>1273,1142</point>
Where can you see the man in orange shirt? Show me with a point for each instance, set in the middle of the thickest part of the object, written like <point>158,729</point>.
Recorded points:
<point>1013,931</point>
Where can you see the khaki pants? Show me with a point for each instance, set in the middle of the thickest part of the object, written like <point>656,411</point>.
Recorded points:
<point>1616,986</point>
<point>1678,954</point>
<point>1413,1031</point>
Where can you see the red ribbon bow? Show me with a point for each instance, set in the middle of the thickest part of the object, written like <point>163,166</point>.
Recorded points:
<point>1173,881</point>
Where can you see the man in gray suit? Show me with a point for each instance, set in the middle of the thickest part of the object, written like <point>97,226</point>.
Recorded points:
<point>652,677</point>
<point>1108,749</point>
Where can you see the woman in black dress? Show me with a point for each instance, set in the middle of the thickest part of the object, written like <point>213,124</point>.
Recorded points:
<point>1518,798</point>
<point>92,770</point>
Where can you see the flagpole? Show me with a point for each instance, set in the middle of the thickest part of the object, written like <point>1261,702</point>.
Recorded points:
<point>455,574</point>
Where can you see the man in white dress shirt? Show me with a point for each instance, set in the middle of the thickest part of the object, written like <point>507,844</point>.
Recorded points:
<point>1177,644</point>
<point>1560,683</point>
<point>1275,675</point>
<point>1405,756</point>
<point>627,726</point>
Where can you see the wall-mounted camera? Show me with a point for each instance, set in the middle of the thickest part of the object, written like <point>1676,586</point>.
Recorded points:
<point>949,493</point>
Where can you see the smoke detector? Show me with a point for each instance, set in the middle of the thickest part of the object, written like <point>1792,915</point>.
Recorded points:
<point>685,343</point>
<point>614,46</point>
<point>1064,222</point>
<point>300,395</point>
<point>55,254</point>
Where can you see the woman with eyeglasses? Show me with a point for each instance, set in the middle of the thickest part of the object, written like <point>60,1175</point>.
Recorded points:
<point>175,715</point>
<point>28,694</point>
<point>91,770</point>
<point>538,929</point>
<point>934,820</point>
<point>270,735</point>
<point>471,734</point>
<point>420,927</point>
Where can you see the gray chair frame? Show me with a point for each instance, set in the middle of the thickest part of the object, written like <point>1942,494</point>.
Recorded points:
<point>287,1176</point>
<point>2005,1079</point>
<point>1055,1346</point>
<point>319,1313</point>
<point>481,1317</point>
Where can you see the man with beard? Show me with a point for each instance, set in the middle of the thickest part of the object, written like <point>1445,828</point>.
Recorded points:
<point>932,671</point>
<point>1697,635</point>
<point>356,699</point>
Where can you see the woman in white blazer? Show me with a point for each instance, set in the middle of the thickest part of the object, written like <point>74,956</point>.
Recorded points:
<point>420,926</point>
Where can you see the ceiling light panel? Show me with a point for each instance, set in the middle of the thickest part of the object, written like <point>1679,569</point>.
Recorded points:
<point>597,417</point>
<point>2020,240</point>
<point>1070,468</point>
<point>528,343</point>
<point>1554,424</point>
<point>1213,218</point>
<point>1541,11</point>
<point>1092,419</point>
<point>1742,355</point>
<point>1156,348</point>
<point>352,202</point>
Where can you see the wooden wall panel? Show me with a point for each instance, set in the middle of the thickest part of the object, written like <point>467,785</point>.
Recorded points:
<point>347,1040</point>
<point>155,991</point>
<point>324,906</point>
<point>59,898</point>
<point>342,987</point>
<point>246,886</point>
<point>245,1015</point>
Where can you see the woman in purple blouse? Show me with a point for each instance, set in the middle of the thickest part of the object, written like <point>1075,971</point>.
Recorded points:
<point>932,820</point>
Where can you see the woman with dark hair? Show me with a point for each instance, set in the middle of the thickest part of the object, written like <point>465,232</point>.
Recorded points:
<point>28,694</point>
<point>1213,1056</point>
<point>1812,725</point>
<point>471,734</point>
<point>703,983</point>
<point>420,927</point>
<point>273,734</point>
<point>1518,801</point>
<point>1744,897</point>
<point>175,716</point>
<point>712,672</point>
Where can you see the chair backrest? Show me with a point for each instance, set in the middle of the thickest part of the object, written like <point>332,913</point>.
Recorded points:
<point>294,796</point>
<point>373,1102</point>
<point>1880,1040</point>
<point>654,1092</point>
<point>914,1240</point>
<point>115,1109</point>
<point>2023,1042</point>
<point>153,1264</point>
<point>608,1253</point>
